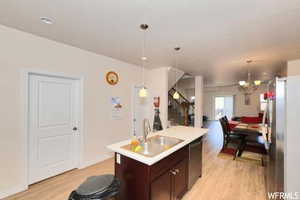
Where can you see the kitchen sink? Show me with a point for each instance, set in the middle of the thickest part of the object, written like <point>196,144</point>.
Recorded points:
<point>154,145</point>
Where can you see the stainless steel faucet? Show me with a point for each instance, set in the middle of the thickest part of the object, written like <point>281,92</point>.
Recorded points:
<point>147,129</point>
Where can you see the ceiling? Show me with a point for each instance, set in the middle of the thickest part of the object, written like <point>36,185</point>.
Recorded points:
<point>216,36</point>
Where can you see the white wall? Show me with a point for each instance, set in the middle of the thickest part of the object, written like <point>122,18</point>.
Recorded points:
<point>293,68</point>
<point>292,152</point>
<point>240,108</point>
<point>157,82</point>
<point>173,76</point>
<point>199,101</point>
<point>19,50</point>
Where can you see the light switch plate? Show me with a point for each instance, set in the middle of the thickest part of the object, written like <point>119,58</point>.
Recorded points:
<point>118,159</point>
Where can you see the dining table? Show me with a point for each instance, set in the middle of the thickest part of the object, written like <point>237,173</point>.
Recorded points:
<point>255,128</point>
<point>249,129</point>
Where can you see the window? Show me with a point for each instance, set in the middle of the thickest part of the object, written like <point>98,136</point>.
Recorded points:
<point>223,107</point>
<point>263,102</point>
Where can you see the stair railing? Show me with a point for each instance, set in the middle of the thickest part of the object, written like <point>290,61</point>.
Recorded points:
<point>184,104</point>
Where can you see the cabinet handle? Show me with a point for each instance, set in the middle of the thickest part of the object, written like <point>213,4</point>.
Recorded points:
<point>177,171</point>
<point>173,172</point>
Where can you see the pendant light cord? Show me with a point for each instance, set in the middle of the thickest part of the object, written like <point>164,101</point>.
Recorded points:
<point>143,56</point>
<point>176,66</point>
<point>175,71</point>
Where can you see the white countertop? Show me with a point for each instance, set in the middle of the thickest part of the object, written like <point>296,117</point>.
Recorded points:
<point>187,134</point>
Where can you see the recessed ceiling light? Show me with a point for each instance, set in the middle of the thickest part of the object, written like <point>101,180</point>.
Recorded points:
<point>46,20</point>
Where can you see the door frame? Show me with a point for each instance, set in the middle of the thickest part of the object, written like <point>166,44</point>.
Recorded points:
<point>25,73</point>
<point>214,103</point>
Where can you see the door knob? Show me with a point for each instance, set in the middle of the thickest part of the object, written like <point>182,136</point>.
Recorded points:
<point>75,128</point>
<point>177,171</point>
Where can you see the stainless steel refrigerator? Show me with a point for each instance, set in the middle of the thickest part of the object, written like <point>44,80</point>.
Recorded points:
<point>276,120</point>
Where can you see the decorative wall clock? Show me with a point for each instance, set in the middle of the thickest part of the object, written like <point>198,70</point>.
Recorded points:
<point>112,78</point>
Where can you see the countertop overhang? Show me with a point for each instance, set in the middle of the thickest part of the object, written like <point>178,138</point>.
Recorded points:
<point>187,134</point>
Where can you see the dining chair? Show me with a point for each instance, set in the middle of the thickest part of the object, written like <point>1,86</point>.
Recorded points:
<point>229,137</point>
<point>227,123</point>
<point>226,118</point>
<point>230,127</point>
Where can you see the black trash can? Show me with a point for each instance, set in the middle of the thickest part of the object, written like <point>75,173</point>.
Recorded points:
<point>104,187</point>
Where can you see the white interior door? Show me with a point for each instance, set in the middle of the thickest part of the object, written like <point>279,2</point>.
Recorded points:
<point>139,112</point>
<point>53,126</point>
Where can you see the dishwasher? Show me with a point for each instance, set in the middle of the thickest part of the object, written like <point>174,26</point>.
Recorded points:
<point>195,161</point>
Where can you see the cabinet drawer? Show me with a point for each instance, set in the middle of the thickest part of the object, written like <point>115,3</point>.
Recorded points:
<point>167,163</point>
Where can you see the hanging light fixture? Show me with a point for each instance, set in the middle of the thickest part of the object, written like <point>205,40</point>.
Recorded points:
<point>143,91</point>
<point>249,86</point>
<point>176,94</point>
<point>257,82</point>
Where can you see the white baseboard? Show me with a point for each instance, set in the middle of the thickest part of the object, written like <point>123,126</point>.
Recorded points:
<point>13,190</point>
<point>95,161</point>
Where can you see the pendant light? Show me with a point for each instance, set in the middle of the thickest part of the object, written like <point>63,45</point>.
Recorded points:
<point>143,91</point>
<point>248,86</point>
<point>176,94</point>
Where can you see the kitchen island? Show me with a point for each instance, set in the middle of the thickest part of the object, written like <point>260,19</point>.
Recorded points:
<point>164,176</point>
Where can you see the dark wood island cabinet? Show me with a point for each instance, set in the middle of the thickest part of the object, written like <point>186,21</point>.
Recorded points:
<point>165,180</point>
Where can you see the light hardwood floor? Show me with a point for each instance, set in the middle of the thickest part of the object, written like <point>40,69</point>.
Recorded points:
<point>223,178</point>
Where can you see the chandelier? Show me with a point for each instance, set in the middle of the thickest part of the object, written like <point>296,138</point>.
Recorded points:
<point>249,86</point>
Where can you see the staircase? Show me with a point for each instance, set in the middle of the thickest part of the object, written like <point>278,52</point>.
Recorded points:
<point>180,111</point>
